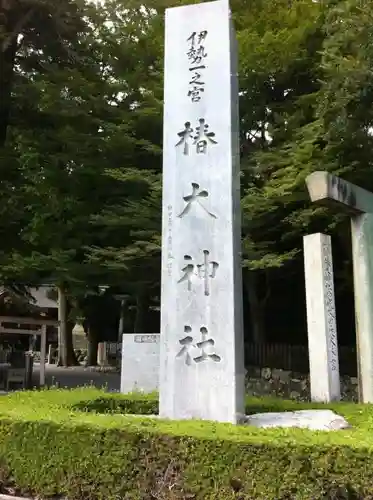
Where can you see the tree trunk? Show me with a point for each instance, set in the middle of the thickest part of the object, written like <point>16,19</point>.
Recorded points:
<point>7,58</point>
<point>257,308</point>
<point>92,338</point>
<point>12,22</point>
<point>121,320</point>
<point>141,312</point>
<point>66,354</point>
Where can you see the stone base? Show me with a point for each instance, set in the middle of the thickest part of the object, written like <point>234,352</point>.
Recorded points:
<point>321,420</point>
<point>316,420</point>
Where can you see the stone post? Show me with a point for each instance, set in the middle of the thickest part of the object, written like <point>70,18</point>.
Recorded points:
<point>201,350</point>
<point>321,319</point>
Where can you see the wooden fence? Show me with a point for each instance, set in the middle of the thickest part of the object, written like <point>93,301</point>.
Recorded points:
<point>294,357</point>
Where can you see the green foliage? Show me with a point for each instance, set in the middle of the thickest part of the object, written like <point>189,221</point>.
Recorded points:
<point>53,443</point>
<point>83,144</point>
<point>280,71</point>
<point>306,81</point>
<point>135,404</point>
<point>82,156</point>
<point>81,165</point>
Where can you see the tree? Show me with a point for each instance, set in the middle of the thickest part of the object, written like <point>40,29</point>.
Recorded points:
<point>83,194</point>
<point>136,219</point>
<point>78,133</point>
<point>100,310</point>
<point>29,28</point>
<point>36,38</point>
<point>279,79</point>
<point>305,107</point>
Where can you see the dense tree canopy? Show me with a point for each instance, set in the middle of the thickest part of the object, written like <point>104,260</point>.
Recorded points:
<point>80,150</point>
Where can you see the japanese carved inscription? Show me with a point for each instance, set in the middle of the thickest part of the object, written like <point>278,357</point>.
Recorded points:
<point>196,56</point>
<point>196,198</point>
<point>204,345</point>
<point>204,271</point>
<point>197,139</point>
<point>201,137</point>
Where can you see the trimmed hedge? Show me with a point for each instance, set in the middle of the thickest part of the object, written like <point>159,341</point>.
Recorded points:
<point>78,444</point>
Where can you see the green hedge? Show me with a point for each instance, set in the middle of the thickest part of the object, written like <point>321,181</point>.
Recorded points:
<point>78,444</point>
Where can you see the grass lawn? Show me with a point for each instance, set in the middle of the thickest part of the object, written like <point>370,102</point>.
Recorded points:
<point>86,444</point>
<point>90,406</point>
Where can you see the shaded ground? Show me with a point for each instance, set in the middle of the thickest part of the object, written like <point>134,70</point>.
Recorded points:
<point>77,376</point>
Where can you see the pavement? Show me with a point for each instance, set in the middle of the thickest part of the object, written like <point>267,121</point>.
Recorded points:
<point>78,376</point>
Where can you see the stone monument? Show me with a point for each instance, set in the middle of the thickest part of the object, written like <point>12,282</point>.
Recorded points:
<point>330,190</point>
<point>140,362</point>
<point>201,351</point>
<point>321,319</point>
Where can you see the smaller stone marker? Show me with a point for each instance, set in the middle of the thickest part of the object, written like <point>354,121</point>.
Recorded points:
<point>140,363</point>
<point>51,354</point>
<point>321,319</point>
<point>102,357</point>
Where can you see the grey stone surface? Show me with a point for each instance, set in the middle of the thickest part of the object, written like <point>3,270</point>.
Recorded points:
<point>323,420</point>
<point>11,497</point>
<point>327,189</point>
<point>202,370</point>
<point>321,319</point>
<point>102,358</point>
<point>140,363</point>
<point>362,260</point>
<point>288,385</point>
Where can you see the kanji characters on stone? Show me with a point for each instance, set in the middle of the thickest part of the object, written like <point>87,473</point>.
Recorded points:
<point>205,271</point>
<point>196,54</point>
<point>201,137</point>
<point>196,197</point>
<point>188,345</point>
